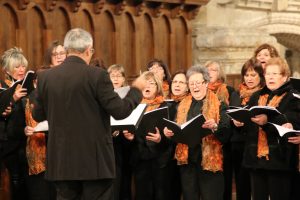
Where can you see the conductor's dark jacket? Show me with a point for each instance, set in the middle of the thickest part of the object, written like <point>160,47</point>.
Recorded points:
<point>77,100</point>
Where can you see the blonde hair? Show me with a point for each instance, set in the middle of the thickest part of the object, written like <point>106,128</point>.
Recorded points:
<point>13,58</point>
<point>283,66</point>
<point>150,75</point>
<point>221,74</point>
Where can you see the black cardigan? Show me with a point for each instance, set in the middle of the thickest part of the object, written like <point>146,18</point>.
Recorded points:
<point>282,154</point>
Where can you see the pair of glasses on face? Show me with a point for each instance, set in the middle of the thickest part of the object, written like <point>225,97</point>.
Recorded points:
<point>61,53</point>
<point>196,83</point>
<point>116,76</point>
<point>272,74</point>
<point>92,50</point>
<point>155,68</point>
<point>151,84</point>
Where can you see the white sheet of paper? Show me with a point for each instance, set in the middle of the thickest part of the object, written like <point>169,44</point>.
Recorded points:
<point>42,126</point>
<point>282,130</point>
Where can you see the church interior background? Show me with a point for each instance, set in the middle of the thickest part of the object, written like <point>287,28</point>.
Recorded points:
<point>180,32</point>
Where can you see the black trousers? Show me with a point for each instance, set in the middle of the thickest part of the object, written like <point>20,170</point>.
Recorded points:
<point>151,183</point>
<point>295,186</point>
<point>85,190</point>
<point>268,183</point>
<point>241,174</point>
<point>16,164</point>
<point>198,183</point>
<point>39,188</point>
<point>227,171</point>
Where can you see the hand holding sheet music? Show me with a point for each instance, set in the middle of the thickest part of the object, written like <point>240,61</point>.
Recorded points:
<point>282,130</point>
<point>42,126</point>
<point>190,133</point>
<point>244,114</point>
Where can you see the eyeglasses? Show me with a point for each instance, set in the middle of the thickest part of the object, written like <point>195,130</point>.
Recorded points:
<point>92,50</point>
<point>61,53</point>
<point>155,67</point>
<point>196,83</point>
<point>179,82</point>
<point>115,76</point>
<point>151,84</point>
<point>272,74</point>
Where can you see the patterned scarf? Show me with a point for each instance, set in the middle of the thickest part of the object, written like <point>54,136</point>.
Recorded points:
<point>153,103</point>
<point>246,92</point>
<point>220,89</point>
<point>8,82</point>
<point>36,145</point>
<point>178,98</point>
<point>212,155</point>
<point>166,89</point>
<point>262,143</point>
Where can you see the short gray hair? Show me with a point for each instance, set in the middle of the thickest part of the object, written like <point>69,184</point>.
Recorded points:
<point>78,40</point>
<point>198,69</point>
<point>13,58</point>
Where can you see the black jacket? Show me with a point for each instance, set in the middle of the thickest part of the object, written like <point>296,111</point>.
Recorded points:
<point>282,154</point>
<point>77,100</point>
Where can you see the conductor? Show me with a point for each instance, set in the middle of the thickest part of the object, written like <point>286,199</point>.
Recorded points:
<point>77,100</point>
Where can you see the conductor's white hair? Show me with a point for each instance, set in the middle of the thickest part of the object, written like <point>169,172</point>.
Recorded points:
<point>78,40</point>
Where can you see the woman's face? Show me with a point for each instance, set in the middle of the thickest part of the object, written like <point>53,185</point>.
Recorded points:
<point>274,77</point>
<point>197,86</point>
<point>18,72</point>
<point>158,71</point>
<point>263,56</point>
<point>117,78</point>
<point>179,85</point>
<point>150,90</point>
<point>213,72</point>
<point>58,55</point>
<point>251,78</point>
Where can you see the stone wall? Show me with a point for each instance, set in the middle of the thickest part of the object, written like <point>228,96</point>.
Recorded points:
<point>230,30</point>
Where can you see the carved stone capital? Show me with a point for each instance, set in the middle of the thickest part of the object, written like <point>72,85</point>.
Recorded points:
<point>177,10</point>
<point>120,7</point>
<point>50,4</point>
<point>98,6</point>
<point>22,4</point>
<point>76,5</point>
<point>139,9</point>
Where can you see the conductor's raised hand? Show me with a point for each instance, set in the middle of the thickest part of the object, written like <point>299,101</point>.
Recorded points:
<point>168,133</point>
<point>19,93</point>
<point>154,137</point>
<point>139,83</point>
<point>128,136</point>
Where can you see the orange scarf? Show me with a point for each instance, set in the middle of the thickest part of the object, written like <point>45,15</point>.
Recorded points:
<point>212,155</point>
<point>262,143</point>
<point>165,87</point>
<point>245,92</point>
<point>36,145</point>
<point>8,82</point>
<point>178,98</point>
<point>153,103</point>
<point>220,89</point>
